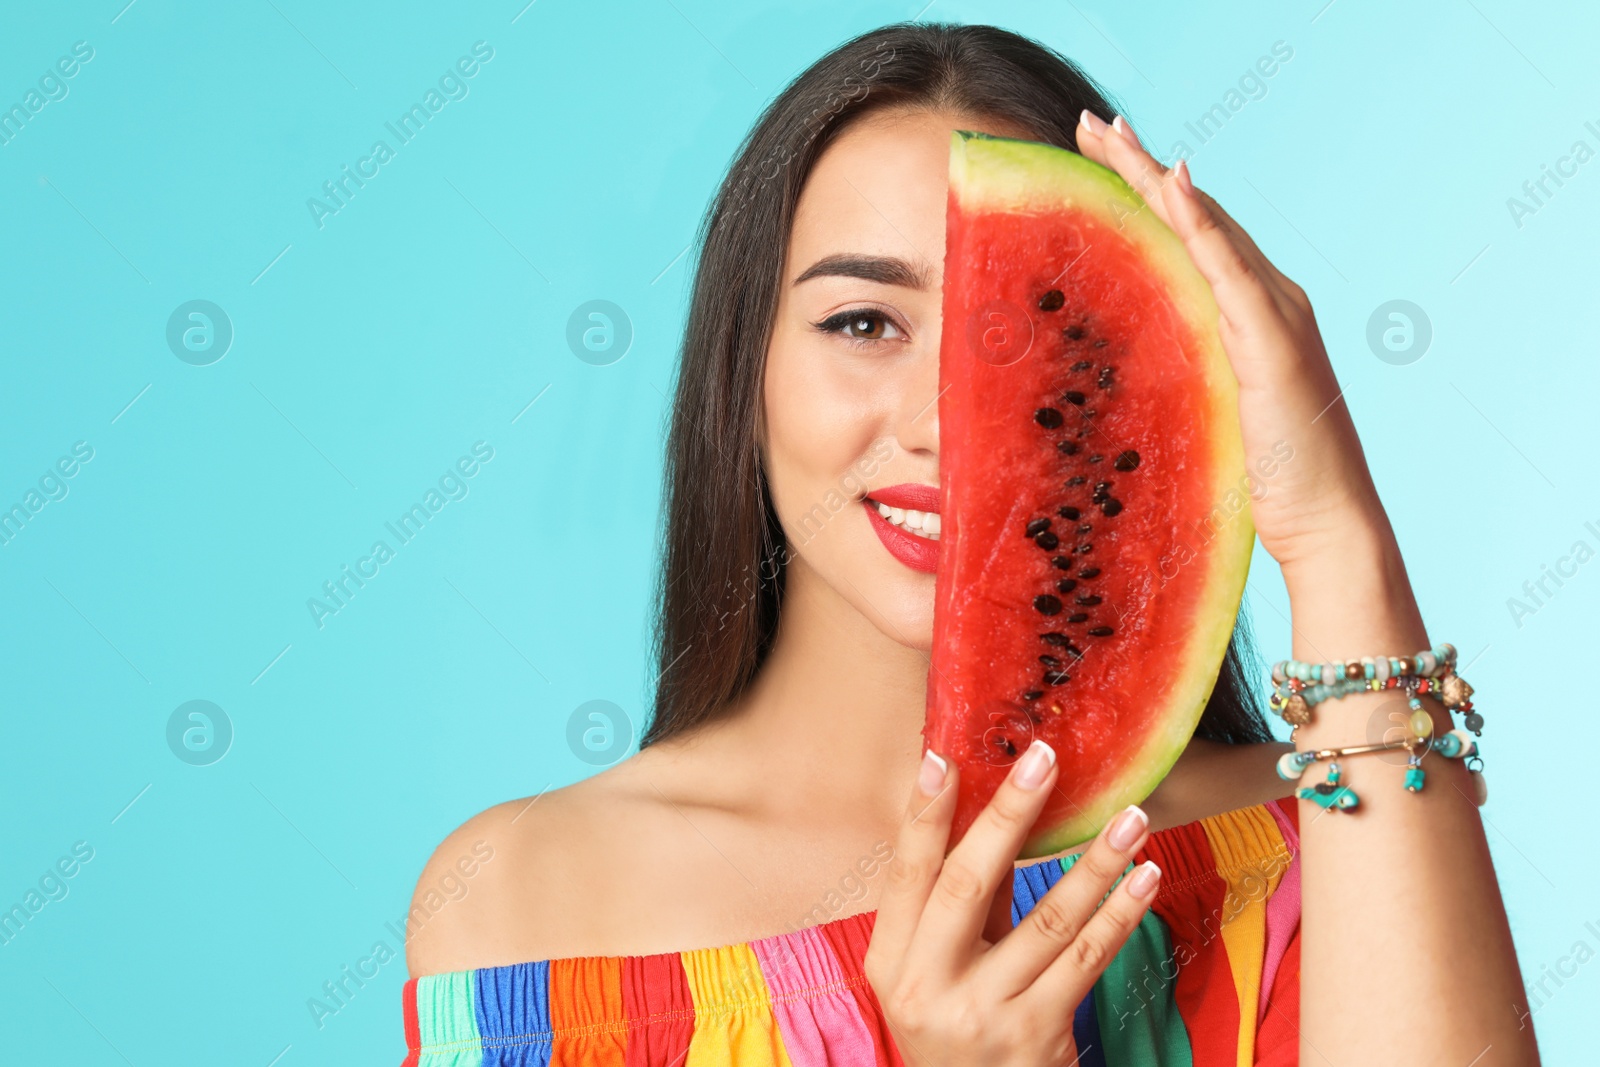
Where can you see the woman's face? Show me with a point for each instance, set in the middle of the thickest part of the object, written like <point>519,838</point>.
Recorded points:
<point>851,443</point>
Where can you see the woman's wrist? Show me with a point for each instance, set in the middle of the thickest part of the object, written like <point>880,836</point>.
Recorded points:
<point>1352,597</point>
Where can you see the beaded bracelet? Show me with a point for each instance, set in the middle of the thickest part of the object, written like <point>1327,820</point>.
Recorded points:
<point>1333,794</point>
<point>1427,663</point>
<point>1294,699</point>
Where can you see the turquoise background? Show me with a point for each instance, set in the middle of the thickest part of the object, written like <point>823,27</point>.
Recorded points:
<point>372,352</point>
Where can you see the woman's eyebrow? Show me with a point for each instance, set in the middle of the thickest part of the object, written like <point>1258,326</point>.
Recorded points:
<point>887,270</point>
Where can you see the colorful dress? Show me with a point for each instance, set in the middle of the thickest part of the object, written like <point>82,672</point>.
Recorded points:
<point>1210,977</point>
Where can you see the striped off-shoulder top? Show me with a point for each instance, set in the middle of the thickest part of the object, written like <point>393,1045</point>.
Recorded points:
<point>1210,977</point>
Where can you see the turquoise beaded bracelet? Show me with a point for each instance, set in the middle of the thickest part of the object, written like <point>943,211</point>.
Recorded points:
<point>1427,664</point>
<point>1298,686</point>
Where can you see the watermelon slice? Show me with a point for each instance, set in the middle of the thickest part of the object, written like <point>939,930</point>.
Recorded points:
<point>1094,535</point>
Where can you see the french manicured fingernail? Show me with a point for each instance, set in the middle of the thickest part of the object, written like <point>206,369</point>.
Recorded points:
<point>1181,172</point>
<point>1092,122</point>
<point>1121,126</point>
<point>1127,827</point>
<point>1142,882</point>
<point>930,777</point>
<point>1035,765</point>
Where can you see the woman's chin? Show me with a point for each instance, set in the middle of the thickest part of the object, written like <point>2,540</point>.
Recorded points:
<point>904,612</point>
<point>923,640</point>
<point>894,598</point>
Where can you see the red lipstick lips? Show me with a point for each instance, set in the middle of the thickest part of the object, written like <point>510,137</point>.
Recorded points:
<point>917,552</point>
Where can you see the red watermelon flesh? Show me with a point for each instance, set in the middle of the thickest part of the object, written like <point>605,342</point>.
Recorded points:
<point>1095,538</point>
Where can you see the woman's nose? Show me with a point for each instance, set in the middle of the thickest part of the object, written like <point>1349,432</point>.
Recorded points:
<point>917,420</point>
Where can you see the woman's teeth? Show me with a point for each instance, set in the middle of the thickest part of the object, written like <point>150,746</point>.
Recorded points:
<point>923,523</point>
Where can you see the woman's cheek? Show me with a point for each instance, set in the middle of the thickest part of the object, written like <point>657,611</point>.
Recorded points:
<point>819,427</point>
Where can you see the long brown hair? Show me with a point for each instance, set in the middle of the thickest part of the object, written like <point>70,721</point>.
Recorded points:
<point>723,551</point>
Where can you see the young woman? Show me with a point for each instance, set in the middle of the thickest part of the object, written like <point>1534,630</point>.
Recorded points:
<point>766,881</point>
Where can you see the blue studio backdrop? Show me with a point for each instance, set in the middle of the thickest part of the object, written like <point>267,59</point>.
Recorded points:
<point>245,345</point>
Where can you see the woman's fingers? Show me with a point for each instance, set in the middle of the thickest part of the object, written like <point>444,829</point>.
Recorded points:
<point>1238,278</point>
<point>1289,298</point>
<point>1091,128</point>
<point>1075,970</point>
<point>1063,914</point>
<point>1117,147</point>
<point>918,855</point>
<point>998,923</point>
<point>1126,154</point>
<point>1120,149</point>
<point>1230,252</point>
<point>1240,236</point>
<point>958,904</point>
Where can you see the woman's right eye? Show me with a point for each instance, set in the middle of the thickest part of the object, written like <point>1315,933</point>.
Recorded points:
<point>861,324</point>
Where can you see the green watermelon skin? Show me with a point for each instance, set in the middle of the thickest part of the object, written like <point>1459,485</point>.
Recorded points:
<point>1160,550</point>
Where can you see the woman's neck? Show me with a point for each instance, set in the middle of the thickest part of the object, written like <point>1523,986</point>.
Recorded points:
<point>836,711</point>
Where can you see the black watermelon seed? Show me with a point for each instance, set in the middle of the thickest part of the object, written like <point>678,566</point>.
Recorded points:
<point>1104,381</point>
<point>1010,747</point>
<point>1068,512</point>
<point>1089,572</point>
<point>1075,481</point>
<point>1078,616</point>
<point>1037,527</point>
<point>1047,540</point>
<point>1084,527</point>
<point>1072,396</point>
<point>1049,418</point>
<point>1049,661</point>
<point>1102,492</point>
<point>1099,631</point>
<point>1033,694</point>
<point>1088,600</point>
<point>1067,448</point>
<point>1111,507</point>
<point>1096,458</point>
<point>1052,300</point>
<point>1053,638</point>
<point>1061,563</point>
<point>1066,585</point>
<point>1084,549</point>
<point>1101,342</point>
<point>1045,604</point>
<point>1074,651</point>
<point>1127,461</point>
<point>1082,364</point>
<point>1053,677</point>
<point>1074,333</point>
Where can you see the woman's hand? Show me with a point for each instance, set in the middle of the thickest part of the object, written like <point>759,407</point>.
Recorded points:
<point>957,984</point>
<point>1321,504</point>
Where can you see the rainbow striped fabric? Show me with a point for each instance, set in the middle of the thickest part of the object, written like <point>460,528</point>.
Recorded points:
<point>1210,977</point>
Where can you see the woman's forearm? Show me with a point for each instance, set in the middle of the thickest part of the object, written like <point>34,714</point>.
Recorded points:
<point>1406,951</point>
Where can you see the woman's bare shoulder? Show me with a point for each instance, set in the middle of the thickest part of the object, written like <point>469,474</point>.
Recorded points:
<point>1213,777</point>
<point>518,880</point>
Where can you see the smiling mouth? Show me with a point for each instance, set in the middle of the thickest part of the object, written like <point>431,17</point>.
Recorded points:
<point>916,523</point>
<point>906,519</point>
